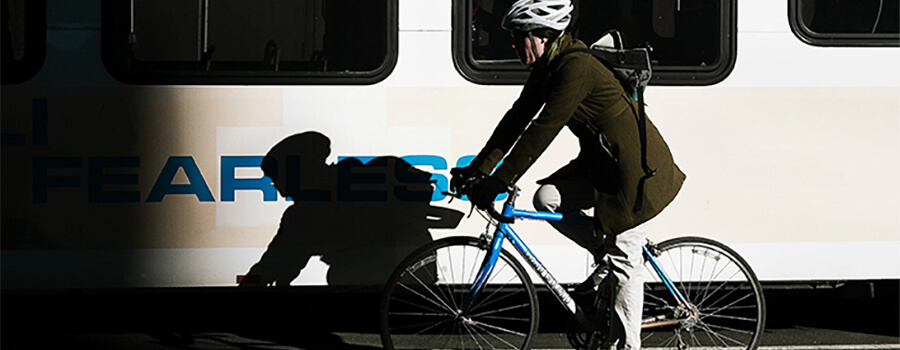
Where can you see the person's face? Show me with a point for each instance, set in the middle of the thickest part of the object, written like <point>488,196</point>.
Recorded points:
<point>526,46</point>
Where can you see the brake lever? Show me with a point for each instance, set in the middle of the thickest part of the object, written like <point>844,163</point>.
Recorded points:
<point>449,194</point>
<point>454,195</point>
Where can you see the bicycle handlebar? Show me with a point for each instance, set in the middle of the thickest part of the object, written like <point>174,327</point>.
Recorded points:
<point>490,210</point>
<point>499,217</point>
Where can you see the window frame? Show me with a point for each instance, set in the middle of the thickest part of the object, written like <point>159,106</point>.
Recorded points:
<point>245,77</point>
<point>20,71</point>
<point>807,35</point>
<point>506,73</point>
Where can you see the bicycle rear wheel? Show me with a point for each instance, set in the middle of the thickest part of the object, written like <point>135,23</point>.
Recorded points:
<point>725,304</point>
<point>427,305</point>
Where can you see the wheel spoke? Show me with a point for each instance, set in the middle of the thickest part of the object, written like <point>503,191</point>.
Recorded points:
<point>710,305</point>
<point>418,313</point>
<point>723,337</point>
<point>483,298</point>
<point>729,305</point>
<point>417,305</point>
<point>507,318</point>
<point>471,335</point>
<point>488,326</point>
<point>440,304</point>
<point>711,325</point>
<point>703,301</point>
<point>737,318</point>
<point>433,325</point>
<point>501,310</point>
<point>719,287</point>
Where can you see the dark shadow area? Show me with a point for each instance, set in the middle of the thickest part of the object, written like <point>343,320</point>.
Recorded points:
<point>865,307</point>
<point>869,307</point>
<point>361,218</point>
<point>312,317</point>
<point>189,318</point>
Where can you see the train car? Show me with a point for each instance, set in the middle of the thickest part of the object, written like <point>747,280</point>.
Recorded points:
<point>163,143</point>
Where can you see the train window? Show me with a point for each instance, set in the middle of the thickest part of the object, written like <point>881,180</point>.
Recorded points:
<point>250,42</point>
<point>693,41</point>
<point>846,22</point>
<point>23,26</point>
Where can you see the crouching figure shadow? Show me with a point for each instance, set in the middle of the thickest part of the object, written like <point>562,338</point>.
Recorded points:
<point>361,218</point>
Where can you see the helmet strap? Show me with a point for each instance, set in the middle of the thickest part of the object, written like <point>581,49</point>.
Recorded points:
<point>534,47</point>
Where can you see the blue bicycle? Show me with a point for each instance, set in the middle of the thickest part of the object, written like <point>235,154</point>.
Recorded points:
<point>471,293</point>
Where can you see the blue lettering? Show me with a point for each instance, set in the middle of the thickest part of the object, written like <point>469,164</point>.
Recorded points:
<point>347,177</point>
<point>465,161</point>
<point>196,184</point>
<point>292,175</point>
<point>97,179</point>
<point>42,181</point>
<point>441,184</point>
<point>39,122</point>
<point>359,178</point>
<point>230,184</point>
<point>39,127</point>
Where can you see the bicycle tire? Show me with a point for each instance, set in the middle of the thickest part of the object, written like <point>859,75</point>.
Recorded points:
<point>720,287</point>
<point>425,304</point>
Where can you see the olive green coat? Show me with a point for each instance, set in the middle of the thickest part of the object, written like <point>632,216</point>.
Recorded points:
<point>578,91</point>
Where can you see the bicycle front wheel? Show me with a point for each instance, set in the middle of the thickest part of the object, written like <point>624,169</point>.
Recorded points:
<point>724,308</point>
<point>427,303</point>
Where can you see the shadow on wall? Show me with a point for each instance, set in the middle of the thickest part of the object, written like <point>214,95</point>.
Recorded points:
<point>361,218</point>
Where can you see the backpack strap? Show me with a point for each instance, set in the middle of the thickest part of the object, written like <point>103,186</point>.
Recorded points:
<point>642,130</point>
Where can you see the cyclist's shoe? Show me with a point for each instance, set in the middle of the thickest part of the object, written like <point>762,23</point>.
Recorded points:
<point>599,274</point>
<point>585,294</point>
<point>585,300</point>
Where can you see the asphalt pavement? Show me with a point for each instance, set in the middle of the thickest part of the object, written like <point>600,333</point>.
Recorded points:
<point>329,318</point>
<point>799,338</point>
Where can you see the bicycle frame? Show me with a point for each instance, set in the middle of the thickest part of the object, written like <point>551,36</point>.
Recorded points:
<point>504,231</point>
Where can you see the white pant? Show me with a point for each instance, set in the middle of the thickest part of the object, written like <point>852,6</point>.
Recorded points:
<point>623,254</point>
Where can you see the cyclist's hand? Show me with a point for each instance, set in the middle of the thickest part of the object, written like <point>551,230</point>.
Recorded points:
<point>463,179</point>
<point>485,191</point>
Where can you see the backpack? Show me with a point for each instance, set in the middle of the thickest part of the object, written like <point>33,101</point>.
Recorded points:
<point>633,70</point>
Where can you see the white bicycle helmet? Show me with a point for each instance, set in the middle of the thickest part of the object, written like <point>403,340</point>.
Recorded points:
<point>528,15</point>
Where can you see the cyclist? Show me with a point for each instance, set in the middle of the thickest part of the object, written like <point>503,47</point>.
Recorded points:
<point>576,90</point>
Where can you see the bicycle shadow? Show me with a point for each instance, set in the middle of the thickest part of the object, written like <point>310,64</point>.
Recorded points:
<point>361,218</point>
<point>316,341</point>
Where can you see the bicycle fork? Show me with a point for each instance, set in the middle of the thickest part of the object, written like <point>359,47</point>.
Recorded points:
<point>557,290</point>
<point>487,265</point>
